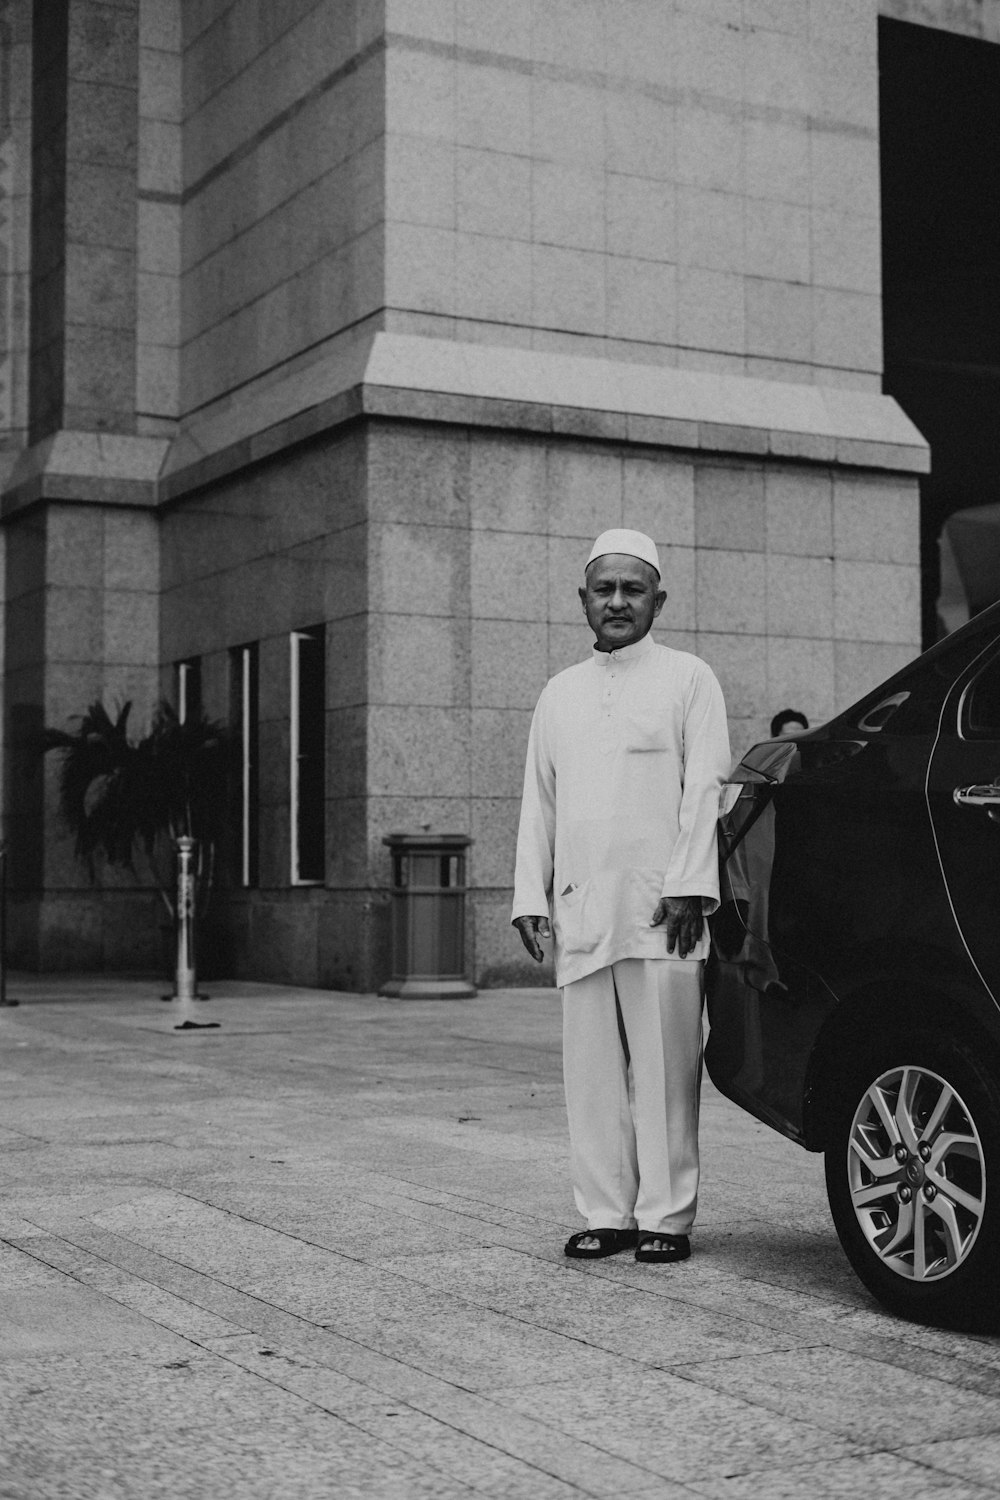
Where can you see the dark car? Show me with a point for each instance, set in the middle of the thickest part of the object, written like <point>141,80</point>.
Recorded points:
<point>854,980</point>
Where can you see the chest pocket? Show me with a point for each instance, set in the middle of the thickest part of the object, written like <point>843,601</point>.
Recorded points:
<point>643,735</point>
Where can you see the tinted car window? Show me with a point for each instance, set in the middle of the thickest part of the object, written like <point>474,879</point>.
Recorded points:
<point>981,708</point>
<point>913,710</point>
<point>878,717</point>
<point>912,704</point>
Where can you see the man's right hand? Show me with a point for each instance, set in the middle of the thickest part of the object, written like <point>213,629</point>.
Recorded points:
<point>531,929</point>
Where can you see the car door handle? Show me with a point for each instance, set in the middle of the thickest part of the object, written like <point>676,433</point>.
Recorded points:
<point>978,796</point>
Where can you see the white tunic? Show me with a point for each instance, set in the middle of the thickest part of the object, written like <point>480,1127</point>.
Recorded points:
<point>626,756</point>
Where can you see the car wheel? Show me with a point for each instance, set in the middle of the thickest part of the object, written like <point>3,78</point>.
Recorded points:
<point>913,1180</point>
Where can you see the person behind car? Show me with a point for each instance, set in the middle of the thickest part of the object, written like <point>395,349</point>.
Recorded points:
<point>787,723</point>
<point>626,756</point>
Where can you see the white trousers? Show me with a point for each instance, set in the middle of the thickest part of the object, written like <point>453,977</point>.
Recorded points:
<point>635,1153</point>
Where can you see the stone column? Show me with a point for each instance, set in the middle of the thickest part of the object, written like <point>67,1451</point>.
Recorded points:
<point>82,567</point>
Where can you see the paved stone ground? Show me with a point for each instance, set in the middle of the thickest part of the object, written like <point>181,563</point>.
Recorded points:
<point>318,1253</point>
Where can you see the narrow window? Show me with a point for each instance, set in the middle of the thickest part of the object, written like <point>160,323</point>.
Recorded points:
<point>243,679</point>
<point>308,755</point>
<point>188,689</point>
<point>981,702</point>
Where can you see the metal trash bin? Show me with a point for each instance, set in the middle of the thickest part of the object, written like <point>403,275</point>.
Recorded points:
<point>428,916</point>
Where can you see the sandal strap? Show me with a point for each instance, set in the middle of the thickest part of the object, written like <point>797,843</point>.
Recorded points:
<point>607,1240</point>
<point>672,1246</point>
<point>602,1236</point>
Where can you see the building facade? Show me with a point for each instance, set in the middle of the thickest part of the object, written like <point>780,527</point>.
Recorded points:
<point>334,331</point>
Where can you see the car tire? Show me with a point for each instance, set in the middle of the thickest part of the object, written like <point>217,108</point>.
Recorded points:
<point>913,1179</point>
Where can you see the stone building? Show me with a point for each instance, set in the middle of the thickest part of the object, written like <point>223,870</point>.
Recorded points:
<point>335,329</point>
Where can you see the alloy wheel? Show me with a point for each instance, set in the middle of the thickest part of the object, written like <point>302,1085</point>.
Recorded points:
<point>916,1173</point>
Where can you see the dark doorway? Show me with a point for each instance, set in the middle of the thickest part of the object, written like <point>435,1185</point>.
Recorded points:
<point>939,112</point>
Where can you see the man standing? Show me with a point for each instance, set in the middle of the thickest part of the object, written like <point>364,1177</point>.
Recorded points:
<point>618,838</point>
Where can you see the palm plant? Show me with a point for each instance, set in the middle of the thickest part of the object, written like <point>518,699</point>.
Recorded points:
<point>124,797</point>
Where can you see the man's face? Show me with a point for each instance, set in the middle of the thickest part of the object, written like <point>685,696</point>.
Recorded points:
<point>621,599</point>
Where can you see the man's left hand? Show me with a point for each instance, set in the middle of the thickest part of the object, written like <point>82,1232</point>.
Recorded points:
<point>684,920</point>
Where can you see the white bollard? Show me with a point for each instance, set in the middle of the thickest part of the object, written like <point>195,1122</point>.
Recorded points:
<point>186,981</point>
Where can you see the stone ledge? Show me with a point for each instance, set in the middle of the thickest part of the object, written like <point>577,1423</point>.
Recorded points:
<point>96,467</point>
<point>421,379</point>
<point>722,406</point>
<point>208,469</point>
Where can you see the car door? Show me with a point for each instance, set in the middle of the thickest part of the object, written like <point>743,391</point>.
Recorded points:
<point>963,796</point>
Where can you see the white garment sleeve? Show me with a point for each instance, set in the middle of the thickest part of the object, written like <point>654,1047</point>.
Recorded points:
<point>694,862</point>
<point>537,829</point>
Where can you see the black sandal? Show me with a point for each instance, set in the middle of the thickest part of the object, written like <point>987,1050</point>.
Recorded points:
<point>610,1242</point>
<point>675,1247</point>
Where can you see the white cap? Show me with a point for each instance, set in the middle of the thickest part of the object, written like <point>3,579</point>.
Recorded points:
<point>631,543</point>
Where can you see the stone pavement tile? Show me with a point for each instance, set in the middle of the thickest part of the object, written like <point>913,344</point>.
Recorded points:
<point>519,1186</point>
<point>858,1397</point>
<point>448,1135</point>
<point>722,1278</point>
<point>311,1278</point>
<point>377,1309</point>
<point>159,1306</point>
<point>726,1206</point>
<point>331,1192</point>
<point>452,1219</point>
<point>20,1271</point>
<point>56,1117</point>
<point>550,1446</point>
<point>676,1427</point>
<point>75,1184</point>
<point>17,1140</point>
<point>853,1323</point>
<point>966,1360</point>
<point>503,1183</point>
<point>345,1223</point>
<point>728,1155</point>
<point>568,1457</point>
<point>110,1160</point>
<point>887,1476</point>
<point>15,1228</point>
<point>469,1346</point>
<point>89,1245</point>
<point>975,1460</point>
<point>468,1205</point>
<point>85,1196</point>
<point>181,1226</point>
<point>124,1428</point>
<point>764,1249</point>
<point>284,1169</point>
<point>414,1157</point>
<point>740,1179</point>
<point>473,1461</point>
<point>501,1106</point>
<point>466,1067</point>
<point>717,1267</point>
<point>70,1319</point>
<point>962,1360</point>
<point>356,1375</point>
<point>565,1299</point>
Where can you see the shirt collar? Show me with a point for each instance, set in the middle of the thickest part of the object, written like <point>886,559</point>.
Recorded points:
<point>624,654</point>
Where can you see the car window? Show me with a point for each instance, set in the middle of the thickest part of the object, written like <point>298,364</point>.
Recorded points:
<point>981,704</point>
<point>914,709</point>
<point>878,717</point>
<point>913,706</point>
